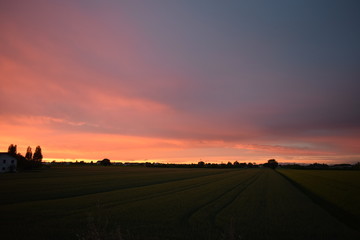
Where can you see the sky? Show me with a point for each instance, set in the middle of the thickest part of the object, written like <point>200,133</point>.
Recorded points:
<point>182,81</point>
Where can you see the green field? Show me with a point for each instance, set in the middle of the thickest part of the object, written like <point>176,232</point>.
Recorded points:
<point>94,202</point>
<point>339,189</point>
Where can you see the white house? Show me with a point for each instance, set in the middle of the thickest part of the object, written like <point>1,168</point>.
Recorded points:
<point>7,162</point>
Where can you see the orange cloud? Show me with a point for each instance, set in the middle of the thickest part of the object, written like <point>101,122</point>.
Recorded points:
<point>281,150</point>
<point>76,145</point>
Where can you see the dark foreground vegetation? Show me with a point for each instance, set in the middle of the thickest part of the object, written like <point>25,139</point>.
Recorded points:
<point>120,202</point>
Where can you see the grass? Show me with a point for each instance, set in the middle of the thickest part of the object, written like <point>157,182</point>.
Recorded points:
<point>337,190</point>
<point>156,203</point>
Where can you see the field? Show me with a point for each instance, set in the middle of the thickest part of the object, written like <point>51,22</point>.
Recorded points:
<point>338,191</point>
<point>94,202</point>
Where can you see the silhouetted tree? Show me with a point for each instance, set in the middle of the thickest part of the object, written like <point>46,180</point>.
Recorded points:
<point>28,154</point>
<point>229,164</point>
<point>236,164</point>
<point>12,149</point>
<point>272,163</point>
<point>222,165</point>
<point>318,166</point>
<point>201,164</point>
<point>242,165</point>
<point>30,161</point>
<point>22,162</point>
<point>105,162</point>
<point>356,166</point>
<point>37,154</point>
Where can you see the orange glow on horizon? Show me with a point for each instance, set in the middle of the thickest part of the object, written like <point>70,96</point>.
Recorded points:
<point>80,146</point>
<point>87,83</point>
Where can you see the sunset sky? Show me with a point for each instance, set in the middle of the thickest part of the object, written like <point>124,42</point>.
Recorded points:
<point>181,81</point>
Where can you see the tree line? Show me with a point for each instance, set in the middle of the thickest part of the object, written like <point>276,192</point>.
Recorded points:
<point>272,163</point>
<point>323,166</point>
<point>30,160</point>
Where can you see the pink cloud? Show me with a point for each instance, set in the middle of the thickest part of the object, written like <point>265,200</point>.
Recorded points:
<point>282,150</point>
<point>101,82</point>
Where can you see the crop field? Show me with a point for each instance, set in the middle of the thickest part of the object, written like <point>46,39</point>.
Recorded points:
<point>340,190</point>
<point>95,202</point>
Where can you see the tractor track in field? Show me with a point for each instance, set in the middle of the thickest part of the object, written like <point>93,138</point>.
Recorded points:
<point>113,189</point>
<point>233,199</point>
<point>164,193</point>
<point>239,188</point>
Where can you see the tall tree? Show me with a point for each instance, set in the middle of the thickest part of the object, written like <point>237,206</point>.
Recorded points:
<point>12,149</point>
<point>37,157</point>
<point>28,154</point>
<point>201,164</point>
<point>22,162</point>
<point>105,162</point>
<point>272,163</point>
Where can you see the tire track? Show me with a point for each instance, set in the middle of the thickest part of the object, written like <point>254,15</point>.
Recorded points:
<point>240,187</point>
<point>233,199</point>
<point>69,196</point>
<point>168,192</point>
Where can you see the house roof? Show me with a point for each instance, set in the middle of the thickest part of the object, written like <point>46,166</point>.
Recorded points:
<point>5,154</point>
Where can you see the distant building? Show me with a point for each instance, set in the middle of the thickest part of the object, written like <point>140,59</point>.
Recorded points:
<point>7,162</point>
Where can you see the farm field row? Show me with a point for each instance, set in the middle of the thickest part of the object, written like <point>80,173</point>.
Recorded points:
<point>337,189</point>
<point>69,181</point>
<point>154,203</point>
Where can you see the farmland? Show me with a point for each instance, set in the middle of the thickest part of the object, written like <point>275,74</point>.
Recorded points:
<point>94,202</point>
<point>338,190</point>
